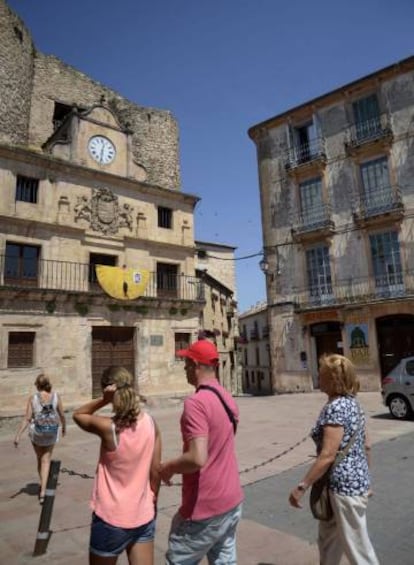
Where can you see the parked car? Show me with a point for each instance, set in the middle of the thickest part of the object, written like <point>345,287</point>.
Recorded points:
<point>398,389</point>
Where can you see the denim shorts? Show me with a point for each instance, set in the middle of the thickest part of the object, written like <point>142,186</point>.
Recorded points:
<point>108,541</point>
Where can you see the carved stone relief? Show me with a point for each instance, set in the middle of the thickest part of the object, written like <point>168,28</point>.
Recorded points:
<point>103,212</point>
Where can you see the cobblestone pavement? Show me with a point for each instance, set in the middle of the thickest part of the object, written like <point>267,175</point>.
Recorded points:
<point>270,533</point>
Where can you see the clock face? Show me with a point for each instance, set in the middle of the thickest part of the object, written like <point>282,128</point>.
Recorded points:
<point>101,149</point>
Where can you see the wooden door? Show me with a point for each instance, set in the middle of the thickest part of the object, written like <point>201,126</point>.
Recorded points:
<point>111,346</point>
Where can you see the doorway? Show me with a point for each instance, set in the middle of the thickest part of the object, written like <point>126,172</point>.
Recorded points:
<point>395,340</point>
<point>110,346</point>
<point>328,339</point>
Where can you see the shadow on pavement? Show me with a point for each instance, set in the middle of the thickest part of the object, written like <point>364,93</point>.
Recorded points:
<point>32,489</point>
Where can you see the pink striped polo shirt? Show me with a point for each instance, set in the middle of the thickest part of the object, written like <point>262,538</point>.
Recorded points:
<point>122,494</point>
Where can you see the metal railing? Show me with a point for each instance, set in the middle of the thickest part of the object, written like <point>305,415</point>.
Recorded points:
<point>80,277</point>
<point>381,200</point>
<point>353,290</point>
<point>369,130</point>
<point>314,218</point>
<point>305,152</point>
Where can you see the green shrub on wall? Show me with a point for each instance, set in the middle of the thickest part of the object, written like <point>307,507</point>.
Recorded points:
<point>81,308</point>
<point>50,306</point>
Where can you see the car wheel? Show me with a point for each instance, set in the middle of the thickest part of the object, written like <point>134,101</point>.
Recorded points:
<point>399,407</point>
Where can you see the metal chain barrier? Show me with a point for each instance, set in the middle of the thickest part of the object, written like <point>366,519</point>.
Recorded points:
<point>73,473</point>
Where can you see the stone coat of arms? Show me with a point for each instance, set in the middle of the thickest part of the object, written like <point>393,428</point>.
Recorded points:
<point>103,212</point>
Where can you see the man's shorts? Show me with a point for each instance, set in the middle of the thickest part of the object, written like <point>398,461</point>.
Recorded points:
<point>108,541</point>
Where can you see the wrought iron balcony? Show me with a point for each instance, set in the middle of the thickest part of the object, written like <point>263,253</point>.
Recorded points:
<point>385,200</point>
<point>369,131</point>
<point>315,219</point>
<point>353,290</point>
<point>66,276</point>
<point>254,335</point>
<point>302,153</point>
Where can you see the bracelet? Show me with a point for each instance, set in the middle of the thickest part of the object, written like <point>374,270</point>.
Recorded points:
<point>302,487</point>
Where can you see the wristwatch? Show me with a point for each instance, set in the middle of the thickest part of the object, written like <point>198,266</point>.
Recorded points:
<point>302,487</point>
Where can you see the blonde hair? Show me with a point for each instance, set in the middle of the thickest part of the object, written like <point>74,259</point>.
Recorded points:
<point>42,382</point>
<point>340,375</point>
<point>125,401</point>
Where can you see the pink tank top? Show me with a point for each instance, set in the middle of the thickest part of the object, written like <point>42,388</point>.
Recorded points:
<point>121,493</point>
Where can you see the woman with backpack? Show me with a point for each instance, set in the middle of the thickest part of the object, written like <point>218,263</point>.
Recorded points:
<point>127,476</point>
<point>44,414</point>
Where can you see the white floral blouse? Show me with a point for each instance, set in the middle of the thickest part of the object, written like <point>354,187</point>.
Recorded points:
<point>351,476</point>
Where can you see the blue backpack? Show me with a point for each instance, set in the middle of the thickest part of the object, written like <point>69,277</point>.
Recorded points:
<point>46,421</point>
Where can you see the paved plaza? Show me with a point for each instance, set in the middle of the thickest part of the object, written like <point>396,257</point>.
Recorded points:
<point>273,450</point>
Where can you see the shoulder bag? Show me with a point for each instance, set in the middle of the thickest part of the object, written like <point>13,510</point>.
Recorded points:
<point>225,406</point>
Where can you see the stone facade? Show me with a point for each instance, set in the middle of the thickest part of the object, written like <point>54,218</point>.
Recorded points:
<point>255,350</point>
<point>88,178</point>
<point>337,190</point>
<point>219,319</point>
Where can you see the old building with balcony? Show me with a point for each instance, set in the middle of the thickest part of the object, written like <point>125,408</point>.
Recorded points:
<point>97,252</point>
<point>219,319</point>
<point>336,179</point>
<point>254,349</point>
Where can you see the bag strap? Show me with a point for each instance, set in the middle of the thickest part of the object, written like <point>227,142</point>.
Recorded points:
<point>340,456</point>
<point>225,406</point>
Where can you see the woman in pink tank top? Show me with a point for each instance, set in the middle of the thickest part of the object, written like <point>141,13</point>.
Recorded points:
<point>127,476</point>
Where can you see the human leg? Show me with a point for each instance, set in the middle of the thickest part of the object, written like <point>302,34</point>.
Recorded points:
<point>100,560</point>
<point>141,553</point>
<point>44,455</point>
<point>186,543</point>
<point>223,552</point>
<point>329,543</point>
<point>350,512</point>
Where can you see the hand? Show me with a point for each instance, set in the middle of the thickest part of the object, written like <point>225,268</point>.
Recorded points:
<point>108,393</point>
<point>295,497</point>
<point>370,493</point>
<point>16,442</point>
<point>166,473</point>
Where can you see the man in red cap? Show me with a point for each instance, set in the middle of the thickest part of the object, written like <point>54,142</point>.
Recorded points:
<point>211,494</point>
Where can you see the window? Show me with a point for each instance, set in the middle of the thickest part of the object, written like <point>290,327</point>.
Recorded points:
<point>257,356</point>
<point>164,217</point>
<point>312,209</point>
<point>26,189</point>
<point>181,341</point>
<point>167,280</point>
<point>21,264</point>
<point>59,114</point>
<point>319,273</point>
<point>376,184</point>
<point>202,254</point>
<point>99,259</point>
<point>304,138</point>
<point>367,117</point>
<point>385,251</point>
<point>20,349</point>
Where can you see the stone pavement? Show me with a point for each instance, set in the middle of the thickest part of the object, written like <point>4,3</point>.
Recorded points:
<point>269,426</point>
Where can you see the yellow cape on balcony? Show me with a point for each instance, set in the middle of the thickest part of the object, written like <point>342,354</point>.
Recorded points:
<point>122,283</point>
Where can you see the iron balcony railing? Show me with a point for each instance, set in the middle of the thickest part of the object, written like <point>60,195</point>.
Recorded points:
<point>369,130</point>
<point>353,290</point>
<point>305,152</point>
<point>313,218</point>
<point>378,201</point>
<point>80,277</point>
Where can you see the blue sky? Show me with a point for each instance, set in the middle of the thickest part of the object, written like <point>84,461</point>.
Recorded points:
<point>222,66</point>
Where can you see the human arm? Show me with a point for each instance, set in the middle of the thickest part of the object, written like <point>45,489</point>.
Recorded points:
<point>331,440</point>
<point>25,421</point>
<point>101,426</point>
<point>191,461</point>
<point>155,478</point>
<point>61,415</point>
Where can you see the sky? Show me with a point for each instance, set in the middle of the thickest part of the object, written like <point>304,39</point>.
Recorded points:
<point>222,66</point>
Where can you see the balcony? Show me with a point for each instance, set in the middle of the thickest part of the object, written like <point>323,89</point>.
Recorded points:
<point>376,131</point>
<point>57,277</point>
<point>355,290</point>
<point>305,154</point>
<point>311,222</point>
<point>254,335</point>
<point>265,332</point>
<point>385,203</point>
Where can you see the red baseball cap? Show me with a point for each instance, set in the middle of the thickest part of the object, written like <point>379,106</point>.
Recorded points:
<point>201,351</point>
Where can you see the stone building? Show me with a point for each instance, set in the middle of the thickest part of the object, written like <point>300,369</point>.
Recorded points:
<point>88,178</point>
<point>336,180</point>
<point>218,320</point>
<point>254,350</point>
